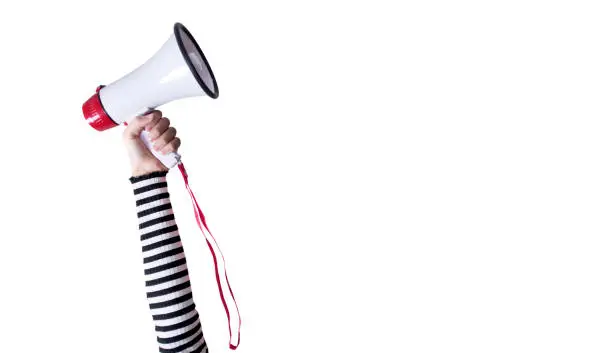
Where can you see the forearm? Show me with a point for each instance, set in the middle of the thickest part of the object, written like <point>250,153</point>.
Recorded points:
<point>168,287</point>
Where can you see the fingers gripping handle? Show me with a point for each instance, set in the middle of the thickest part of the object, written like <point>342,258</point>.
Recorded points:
<point>169,160</point>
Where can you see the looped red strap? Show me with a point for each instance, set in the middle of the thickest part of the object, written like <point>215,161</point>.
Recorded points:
<point>208,235</point>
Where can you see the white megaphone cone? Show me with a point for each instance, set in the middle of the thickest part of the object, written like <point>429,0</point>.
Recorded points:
<point>178,70</point>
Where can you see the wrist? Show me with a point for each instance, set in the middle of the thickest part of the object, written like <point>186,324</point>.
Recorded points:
<point>148,168</point>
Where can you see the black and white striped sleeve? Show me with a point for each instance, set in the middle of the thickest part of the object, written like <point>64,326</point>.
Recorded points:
<point>168,288</point>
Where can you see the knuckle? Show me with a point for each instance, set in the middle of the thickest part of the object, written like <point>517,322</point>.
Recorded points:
<point>167,138</point>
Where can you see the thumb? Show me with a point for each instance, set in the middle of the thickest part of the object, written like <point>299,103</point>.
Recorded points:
<point>139,123</point>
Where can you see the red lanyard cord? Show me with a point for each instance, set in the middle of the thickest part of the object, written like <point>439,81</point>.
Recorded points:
<point>208,236</point>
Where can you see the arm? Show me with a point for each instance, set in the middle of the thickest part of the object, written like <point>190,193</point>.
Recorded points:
<point>168,288</point>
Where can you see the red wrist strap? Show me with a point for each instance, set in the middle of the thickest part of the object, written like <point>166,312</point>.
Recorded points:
<point>210,240</point>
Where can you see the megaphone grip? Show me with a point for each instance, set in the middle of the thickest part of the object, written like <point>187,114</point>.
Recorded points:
<point>169,160</point>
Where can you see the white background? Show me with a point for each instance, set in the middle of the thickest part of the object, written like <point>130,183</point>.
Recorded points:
<point>382,176</point>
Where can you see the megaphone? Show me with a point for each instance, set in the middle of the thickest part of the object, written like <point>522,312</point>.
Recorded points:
<point>178,70</point>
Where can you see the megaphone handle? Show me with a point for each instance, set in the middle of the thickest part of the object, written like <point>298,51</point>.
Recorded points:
<point>169,160</point>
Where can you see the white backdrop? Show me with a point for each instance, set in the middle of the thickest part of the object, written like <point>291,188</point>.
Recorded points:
<point>382,176</point>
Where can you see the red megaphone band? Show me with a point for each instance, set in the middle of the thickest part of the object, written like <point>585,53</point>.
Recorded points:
<point>94,113</point>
